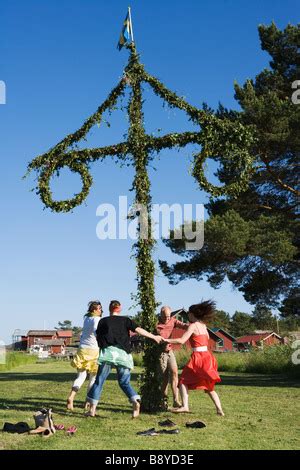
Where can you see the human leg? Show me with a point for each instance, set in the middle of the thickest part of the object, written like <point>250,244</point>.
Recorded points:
<point>215,398</point>
<point>124,383</point>
<point>163,364</point>
<point>78,382</point>
<point>92,378</point>
<point>173,371</point>
<point>94,393</point>
<point>185,400</point>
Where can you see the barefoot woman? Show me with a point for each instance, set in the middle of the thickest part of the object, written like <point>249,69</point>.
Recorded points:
<point>201,370</point>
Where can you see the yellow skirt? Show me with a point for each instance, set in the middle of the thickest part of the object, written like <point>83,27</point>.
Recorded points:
<point>86,359</point>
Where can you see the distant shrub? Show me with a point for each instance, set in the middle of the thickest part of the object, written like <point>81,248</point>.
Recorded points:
<point>15,359</point>
<point>270,360</point>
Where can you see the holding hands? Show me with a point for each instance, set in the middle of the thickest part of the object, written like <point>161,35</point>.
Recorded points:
<point>158,339</point>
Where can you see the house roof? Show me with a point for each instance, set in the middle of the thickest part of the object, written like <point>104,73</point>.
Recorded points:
<point>41,333</point>
<point>64,333</point>
<point>53,342</point>
<point>181,311</point>
<point>213,335</point>
<point>256,337</point>
<point>216,330</point>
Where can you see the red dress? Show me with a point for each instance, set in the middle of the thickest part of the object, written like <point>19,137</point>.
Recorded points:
<point>201,372</point>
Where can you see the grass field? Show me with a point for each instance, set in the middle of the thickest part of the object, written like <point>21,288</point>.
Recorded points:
<point>262,412</point>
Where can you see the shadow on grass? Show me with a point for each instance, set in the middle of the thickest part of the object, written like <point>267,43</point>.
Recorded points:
<point>50,377</point>
<point>58,406</point>
<point>260,380</point>
<point>238,379</point>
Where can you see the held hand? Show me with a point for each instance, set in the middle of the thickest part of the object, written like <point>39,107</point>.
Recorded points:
<point>158,339</point>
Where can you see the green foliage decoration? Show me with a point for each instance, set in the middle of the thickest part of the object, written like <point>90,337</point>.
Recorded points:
<point>216,137</point>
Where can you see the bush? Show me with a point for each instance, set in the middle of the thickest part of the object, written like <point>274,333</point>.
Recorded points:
<point>15,359</point>
<point>138,359</point>
<point>270,360</point>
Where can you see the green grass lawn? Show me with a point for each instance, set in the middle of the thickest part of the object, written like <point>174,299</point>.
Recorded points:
<point>261,413</point>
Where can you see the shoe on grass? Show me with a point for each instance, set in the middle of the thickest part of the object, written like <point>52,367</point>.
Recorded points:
<point>167,422</point>
<point>196,425</point>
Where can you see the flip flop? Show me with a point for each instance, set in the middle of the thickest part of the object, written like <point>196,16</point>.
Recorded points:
<point>148,432</point>
<point>169,431</point>
<point>59,427</point>
<point>71,430</point>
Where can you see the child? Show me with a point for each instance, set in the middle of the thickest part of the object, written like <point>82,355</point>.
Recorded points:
<point>201,370</point>
<point>86,358</point>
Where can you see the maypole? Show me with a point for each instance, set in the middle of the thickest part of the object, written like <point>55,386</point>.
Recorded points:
<point>215,137</point>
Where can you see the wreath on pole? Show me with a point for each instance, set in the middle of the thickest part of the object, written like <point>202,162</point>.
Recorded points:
<point>215,137</point>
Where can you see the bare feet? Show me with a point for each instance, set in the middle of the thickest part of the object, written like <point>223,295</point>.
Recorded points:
<point>220,413</point>
<point>182,409</point>
<point>92,411</point>
<point>136,409</point>
<point>177,404</point>
<point>70,404</point>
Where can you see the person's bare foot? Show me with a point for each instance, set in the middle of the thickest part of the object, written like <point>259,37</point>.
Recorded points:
<point>70,406</point>
<point>177,404</point>
<point>91,412</point>
<point>87,406</point>
<point>220,413</point>
<point>182,409</point>
<point>136,407</point>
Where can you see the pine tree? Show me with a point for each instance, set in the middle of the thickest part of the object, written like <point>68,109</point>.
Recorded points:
<point>253,239</point>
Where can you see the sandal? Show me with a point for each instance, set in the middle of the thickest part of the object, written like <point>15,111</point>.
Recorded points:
<point>168,431</point>
<point>71,430</point>
<point>148,432</point>
<point>59,427</point>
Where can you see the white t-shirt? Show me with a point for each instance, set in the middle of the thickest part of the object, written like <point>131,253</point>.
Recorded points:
<point>88,337</point>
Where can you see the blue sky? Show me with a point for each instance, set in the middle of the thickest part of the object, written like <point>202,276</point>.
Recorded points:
<point>59,62</point>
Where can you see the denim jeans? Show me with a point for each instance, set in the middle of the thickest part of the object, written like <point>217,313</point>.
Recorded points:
<point>123,374</point>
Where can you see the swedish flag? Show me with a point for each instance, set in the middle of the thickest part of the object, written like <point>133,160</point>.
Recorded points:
<point>126,33</point>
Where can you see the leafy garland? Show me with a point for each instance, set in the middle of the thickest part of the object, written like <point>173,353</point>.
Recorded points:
<point>216,137</point>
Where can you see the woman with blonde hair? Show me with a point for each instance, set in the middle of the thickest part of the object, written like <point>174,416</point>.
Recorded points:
<point>86,359</point>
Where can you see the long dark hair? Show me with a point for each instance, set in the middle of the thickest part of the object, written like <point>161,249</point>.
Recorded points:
<point>92,306</point>
<point>204,311</point>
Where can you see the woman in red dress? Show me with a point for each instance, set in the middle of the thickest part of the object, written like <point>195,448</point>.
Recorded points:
<point>201,372</point>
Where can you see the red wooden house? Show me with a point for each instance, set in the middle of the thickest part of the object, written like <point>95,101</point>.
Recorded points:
<point>227,341</point>
<point>258,340</point>
<point>54,346</point>
<point>36,337</point>
<point>65,335</point>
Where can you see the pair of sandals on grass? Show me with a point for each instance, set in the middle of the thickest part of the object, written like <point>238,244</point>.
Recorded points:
<point>44,425</point>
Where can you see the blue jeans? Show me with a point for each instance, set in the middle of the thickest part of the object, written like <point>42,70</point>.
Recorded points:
<point>123,374</point>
